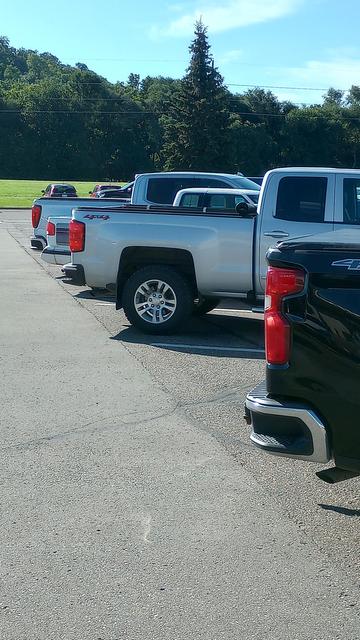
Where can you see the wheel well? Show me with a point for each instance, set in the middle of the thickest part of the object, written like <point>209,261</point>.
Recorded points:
<point>133,258</point>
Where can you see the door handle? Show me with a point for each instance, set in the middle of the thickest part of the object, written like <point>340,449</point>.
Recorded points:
<point>276,234</point>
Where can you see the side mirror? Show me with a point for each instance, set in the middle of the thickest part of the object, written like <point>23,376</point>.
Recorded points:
<point>42,191</point>
<point>246,210</point>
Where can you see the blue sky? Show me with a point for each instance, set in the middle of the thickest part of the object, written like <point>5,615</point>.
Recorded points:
<point>282,43</point>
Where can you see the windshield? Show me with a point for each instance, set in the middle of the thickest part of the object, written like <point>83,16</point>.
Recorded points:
<point>245,183</point>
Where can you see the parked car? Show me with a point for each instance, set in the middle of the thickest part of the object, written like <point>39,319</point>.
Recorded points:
<point>59,191</point>
<point>113,193</point>
<point>100,187</point>
<point>148,188</point>
<point>207,254</point>
<point>308,406</point>
<point>226,199</point>
<point>127,188</point>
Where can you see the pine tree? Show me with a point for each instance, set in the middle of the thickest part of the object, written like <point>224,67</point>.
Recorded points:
<point>196,127</point>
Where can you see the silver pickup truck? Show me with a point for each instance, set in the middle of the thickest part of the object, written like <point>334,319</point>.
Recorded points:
<point>149,188</point>
<point>166,263</point>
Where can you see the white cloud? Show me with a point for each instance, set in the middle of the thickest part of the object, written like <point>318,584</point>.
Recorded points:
<point>340,72</point>
<point>230,56</point>
<point>230,15</point>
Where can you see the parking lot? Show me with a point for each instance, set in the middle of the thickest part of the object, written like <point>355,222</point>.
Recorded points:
<point>198,379</point>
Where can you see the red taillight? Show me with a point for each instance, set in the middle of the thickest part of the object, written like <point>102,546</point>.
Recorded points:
<point>280,283</point>
<point>76,236</point>
<point>35,215</point>
<point>50,229</point>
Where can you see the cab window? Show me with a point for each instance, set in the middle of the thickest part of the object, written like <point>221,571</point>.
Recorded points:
<point>164,190</point>
<point>223,201</point>
<point>239,199</point>
<point>301,199</point>
<point>190,200</point>
<point>351,201</point>
<point>217,201</point>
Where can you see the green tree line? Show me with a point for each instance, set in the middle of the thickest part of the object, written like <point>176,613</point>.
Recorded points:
<point>66,122</point>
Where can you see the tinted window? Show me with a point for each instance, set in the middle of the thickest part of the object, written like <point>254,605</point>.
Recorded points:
<point>217,201</point>
<point>224,201</point>
<point>238,199</point>
<point>301,199</point>
<point>211,183</point>
<point>254,197</point>
<point>64,189</point>
<point>351,201</point>
<point>190,200</point>
<point>164,190</point>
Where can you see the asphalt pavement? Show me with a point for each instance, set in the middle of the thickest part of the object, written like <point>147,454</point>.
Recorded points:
<point>133,506</point>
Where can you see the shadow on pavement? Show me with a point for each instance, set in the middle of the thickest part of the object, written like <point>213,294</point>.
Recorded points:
<point>195,340</point>
<point>98,294</point>
<point>343,510</point>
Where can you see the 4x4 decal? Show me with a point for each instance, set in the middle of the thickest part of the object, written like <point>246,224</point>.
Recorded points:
<point>352,264</point>
<point>94,216</point>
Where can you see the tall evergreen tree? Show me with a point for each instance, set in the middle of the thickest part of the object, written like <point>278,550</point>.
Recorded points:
<point>196,126</point>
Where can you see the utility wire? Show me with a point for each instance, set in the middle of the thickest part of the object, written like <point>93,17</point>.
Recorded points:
<point>152,113</point>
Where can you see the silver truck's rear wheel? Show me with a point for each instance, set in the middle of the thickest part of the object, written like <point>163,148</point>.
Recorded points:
<point>157,299</point>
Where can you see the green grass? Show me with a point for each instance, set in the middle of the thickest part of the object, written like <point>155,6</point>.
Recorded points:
<point>21,193</point>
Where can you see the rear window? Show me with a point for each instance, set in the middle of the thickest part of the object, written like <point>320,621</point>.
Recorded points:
<point>301,199</point>
<point>351,201</point>
<point>64,189</point>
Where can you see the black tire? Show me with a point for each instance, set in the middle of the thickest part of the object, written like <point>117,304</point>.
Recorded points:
<point>204,305</point>
<point>183,305</point>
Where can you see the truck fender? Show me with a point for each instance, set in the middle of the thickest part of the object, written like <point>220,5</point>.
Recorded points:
<point>134,258</point>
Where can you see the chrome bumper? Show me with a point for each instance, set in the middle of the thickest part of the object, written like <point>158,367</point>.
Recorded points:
<point>285,428</point>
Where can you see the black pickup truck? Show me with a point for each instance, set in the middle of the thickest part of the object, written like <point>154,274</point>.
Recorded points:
<point>309,405</point>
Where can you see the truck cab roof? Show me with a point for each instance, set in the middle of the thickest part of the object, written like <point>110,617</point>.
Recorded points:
<point>313,170</point>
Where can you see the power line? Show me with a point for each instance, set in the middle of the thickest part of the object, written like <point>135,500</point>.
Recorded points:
<point>234,84</point>
<point>105,82</point>
<point>271,86</point>
<point>153,113</point>
<point>128,113</point>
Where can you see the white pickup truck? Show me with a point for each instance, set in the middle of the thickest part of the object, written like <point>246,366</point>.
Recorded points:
<point>164,263</point>
<point>149,188</point>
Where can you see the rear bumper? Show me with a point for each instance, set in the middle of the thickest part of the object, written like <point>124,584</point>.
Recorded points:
<point>286,428</point>
<point>37,243</point>
<point>55,256</point>
<point>74,274</point>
